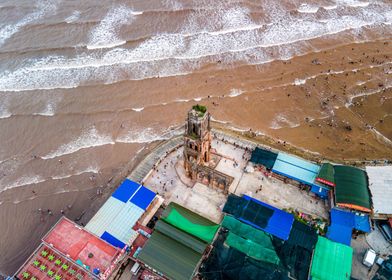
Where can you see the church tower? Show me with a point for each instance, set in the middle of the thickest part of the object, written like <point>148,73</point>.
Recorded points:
<point>197,140</point>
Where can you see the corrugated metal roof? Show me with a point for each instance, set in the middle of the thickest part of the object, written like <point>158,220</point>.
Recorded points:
<point>331,260</point>
<point>351,186</point>
<point>115,219</point>
<point>302,235</point>
<point>170,257</point>
<point>296,168</point>
<point>380,185</point>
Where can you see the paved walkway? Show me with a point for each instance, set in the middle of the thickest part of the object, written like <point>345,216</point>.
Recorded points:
<point>146,165</point>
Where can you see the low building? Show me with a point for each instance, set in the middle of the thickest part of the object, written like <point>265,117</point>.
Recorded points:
<point>331,260</point>
<point>114,220</point>
<point>68,251</point>
<point>351,189</point>
<point>380,185</point>
<point>178,243</point>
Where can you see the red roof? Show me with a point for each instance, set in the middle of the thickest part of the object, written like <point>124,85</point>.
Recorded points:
<point>77,243</point>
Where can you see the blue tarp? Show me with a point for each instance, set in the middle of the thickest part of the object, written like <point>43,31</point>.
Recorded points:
<point>278,225</point>
<point>362,223</point>
<point>342,224</point>
<point>125,190</point>
<point>322,192</point>
<point>143,197</point>
<point>339,233</point>
<point>112,240</point>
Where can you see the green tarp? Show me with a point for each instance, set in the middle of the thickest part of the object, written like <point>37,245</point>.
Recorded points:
<point>351,186</point>
<point>302,235</point>
<point>331,260</point>
<point>264,157</point>
<point>203,232</point>
<point>169,257</point>
<point>326,174</point>
<point>180,236</point>
<point>246,231</point>
<point>252,249</point>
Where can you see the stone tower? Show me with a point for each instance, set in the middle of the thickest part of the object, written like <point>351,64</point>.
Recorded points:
<point>197,140</point>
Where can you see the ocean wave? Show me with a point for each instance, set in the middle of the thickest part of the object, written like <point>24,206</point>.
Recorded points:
<point>235,92</point>
<point>281,121</point>
<point>178,54</point>
<point>43,8</point>
<point>24,181</point>
<point>353,3</point>
<point>49,110</point>
<point>91,138</point>
<point>307,9</point>
<point>138,109</point>
<point>73,17</point>
<point>90,169</point>
<point>147,135</point>
<point>105,34</point>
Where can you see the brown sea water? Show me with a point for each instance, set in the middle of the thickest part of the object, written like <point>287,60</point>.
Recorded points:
<point>85,85</point>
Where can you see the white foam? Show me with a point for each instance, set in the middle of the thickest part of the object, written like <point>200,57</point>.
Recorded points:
<point>331,7</point>
<point>90,169</point>
<point>138,109</point>
<point>235,92</point>
<point>353,3</point>
<point>180,54</point>
<point>308,9</point>
<point>299,82</point>
<point>24,181</point>
<point>105,34</point>
<point>281,121</point>
<point>4,113</point>
<point>197,99</point>
<point>182,100</point>
<point>73,17</point>
<point>48,111</point>
<point>43,8</point>
<point>218,121</point>
<point>90,138</point>
<point>147,135</point>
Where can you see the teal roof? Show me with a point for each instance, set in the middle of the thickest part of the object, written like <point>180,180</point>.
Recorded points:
<point>296,168</point>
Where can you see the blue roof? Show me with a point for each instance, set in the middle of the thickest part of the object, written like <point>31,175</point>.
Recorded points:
<point>361,222</point>
<point>322,192</point>
<point>296,168</point>
<point>125,191</point>
<point>278,225</point>
<point>342,217</point>
<point>112,240</point>
<point>143,197</point>
<point>340,233</point>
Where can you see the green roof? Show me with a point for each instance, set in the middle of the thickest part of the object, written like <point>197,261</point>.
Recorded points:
<point>351,186</point>
<point>326,173</point>
<point>252,249</point>
<point>170,257</point>
<point>331,260</point>
<point>264,157</point>
<point>190,222</point>
<point>180,236</point>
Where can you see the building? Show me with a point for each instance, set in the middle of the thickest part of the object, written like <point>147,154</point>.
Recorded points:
<point>178,243</point>
<point>380,185</point>
<point>68,251</point>
<point>197,150</point>
<point>114,220</point>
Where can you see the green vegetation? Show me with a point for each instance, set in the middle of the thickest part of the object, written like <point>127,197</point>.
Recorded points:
<point>57,262</point>
<point>57,277</point>
<point>65,266</point>
<point>44,253</point>
<point>36,263</point>
<point>42,267</point>
<point>200,109</point>
<point>71,271</point>
<point>51,258</point>
<point>26,275</point>
<point>50,273</point>
<point>33,278</point>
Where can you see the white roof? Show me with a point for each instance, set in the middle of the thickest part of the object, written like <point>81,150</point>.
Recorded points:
<point>380,185</point>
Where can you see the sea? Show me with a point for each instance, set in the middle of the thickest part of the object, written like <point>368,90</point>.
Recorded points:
<point>86,85</point>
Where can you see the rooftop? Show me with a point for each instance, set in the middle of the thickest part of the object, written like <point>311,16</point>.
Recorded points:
<point>380,184</point>
<point>77,243</point>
